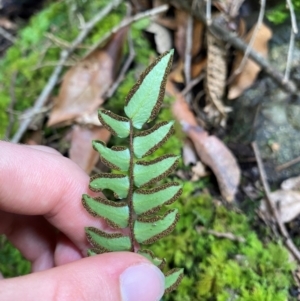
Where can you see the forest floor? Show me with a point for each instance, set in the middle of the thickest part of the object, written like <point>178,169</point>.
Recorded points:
<point>233,91</point>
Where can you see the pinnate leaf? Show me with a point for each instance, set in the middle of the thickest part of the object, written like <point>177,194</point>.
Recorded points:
<point>107,242</point>
<point>149,230</point>
<point>144,99</point>
<point>117,125</point>
<point>115,213</point>
<point>146,142</point>
<point>148,172</point>
<point>115,158</point>
<point>160,263</point>
<point>117,183</point>
<point>136,213</point>
<point>173,278</point>
<point>149,200</point>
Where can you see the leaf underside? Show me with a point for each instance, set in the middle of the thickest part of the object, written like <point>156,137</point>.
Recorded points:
<point>133,182</point>
<point>144,99</point>
<point>117,183</point>
<point>173,278</point>
<point>115,213</point>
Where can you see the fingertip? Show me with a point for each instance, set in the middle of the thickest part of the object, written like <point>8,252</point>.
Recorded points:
<point>121,277</point>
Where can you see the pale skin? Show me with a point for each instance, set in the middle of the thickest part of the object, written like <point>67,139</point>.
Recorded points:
<point>42,215</point>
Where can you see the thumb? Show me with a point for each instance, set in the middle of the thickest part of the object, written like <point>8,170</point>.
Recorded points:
<point>108,277</point>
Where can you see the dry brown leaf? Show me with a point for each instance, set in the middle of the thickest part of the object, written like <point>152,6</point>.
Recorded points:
<point>291,184</point>
<point>84,84</point>
<point>287,202</point>
<point>181,18</point>
<point>251,69</point>
<point>215,80</point>
<point>229,7</point>
<point>197,67</point>
<point>176,74</point>
<point>81,151</point>
<point>7,24</point>
<point>162,37</point>
<point>211,150</point>
<point>188,153</point>
<point>199,171</point>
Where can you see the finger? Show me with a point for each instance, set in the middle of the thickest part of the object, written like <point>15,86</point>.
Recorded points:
<point>107,277</point>
<point>39,242</point>
<point>44,148</point>
<point>34,182</point>
<point>34,237</point>
<point>65,251</point>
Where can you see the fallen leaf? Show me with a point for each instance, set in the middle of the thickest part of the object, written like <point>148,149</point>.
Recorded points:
<point>291,184</point>
<point>162,37</point>
<point>251,69</point>
<point>181,18</point>
<point>198,66</point>
<point>286,202</point>
<point>199,171</point>
<point>210,149</point>
<point>176,74</point>
<point>84,84</point>
<point>188,153</point>
<point>229,7</point>
<point>215,79</point>
<point>81,151</point>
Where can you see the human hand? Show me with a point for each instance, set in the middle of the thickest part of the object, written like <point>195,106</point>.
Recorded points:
<point>40,193</point>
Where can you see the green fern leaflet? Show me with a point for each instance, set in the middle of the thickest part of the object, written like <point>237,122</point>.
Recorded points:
<point>136,204</point>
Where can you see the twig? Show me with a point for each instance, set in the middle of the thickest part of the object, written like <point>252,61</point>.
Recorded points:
<point>273,210</point>
<point>227,235</point>
<point>188,55</point>
<point>239,44</point>
<point>41,100</point>
<point>253,38</point>
<point>208,12</point>
<point>192,84</point>
<point>293,16</point>
<point>288,164</point>
<point>7,35</point>
<point>123,71</point>
<point>126,22</point>
<point>53,64</point>
<point>294,31</point>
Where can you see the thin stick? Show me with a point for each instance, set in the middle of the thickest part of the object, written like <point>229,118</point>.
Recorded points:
<point>293,16</point>
<point>188,55</point>
<point>7,35</point>
<point>273,210</point>
<point>253,38</point>
<point>126,22</point>
<point>227,235</point>
<point>192,84</point>
<point>41,100</point>
<point>208,12</point>
<point>294,31</point>
<point>288,164</point>
<point>123,71</point>
<point>239,44</point>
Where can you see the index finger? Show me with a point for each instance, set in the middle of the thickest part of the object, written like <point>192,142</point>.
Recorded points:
<point>35,182</point>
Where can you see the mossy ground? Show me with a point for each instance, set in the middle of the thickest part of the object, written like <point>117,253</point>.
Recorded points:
<point>215,268</point>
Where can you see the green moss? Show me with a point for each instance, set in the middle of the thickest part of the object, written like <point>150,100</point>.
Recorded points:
<point>27,59</point>
<point>280,12</point>
<point>12,262</point>
<point>219,268</point>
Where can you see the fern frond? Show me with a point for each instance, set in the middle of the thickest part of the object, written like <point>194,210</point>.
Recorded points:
<point>139,203</point>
